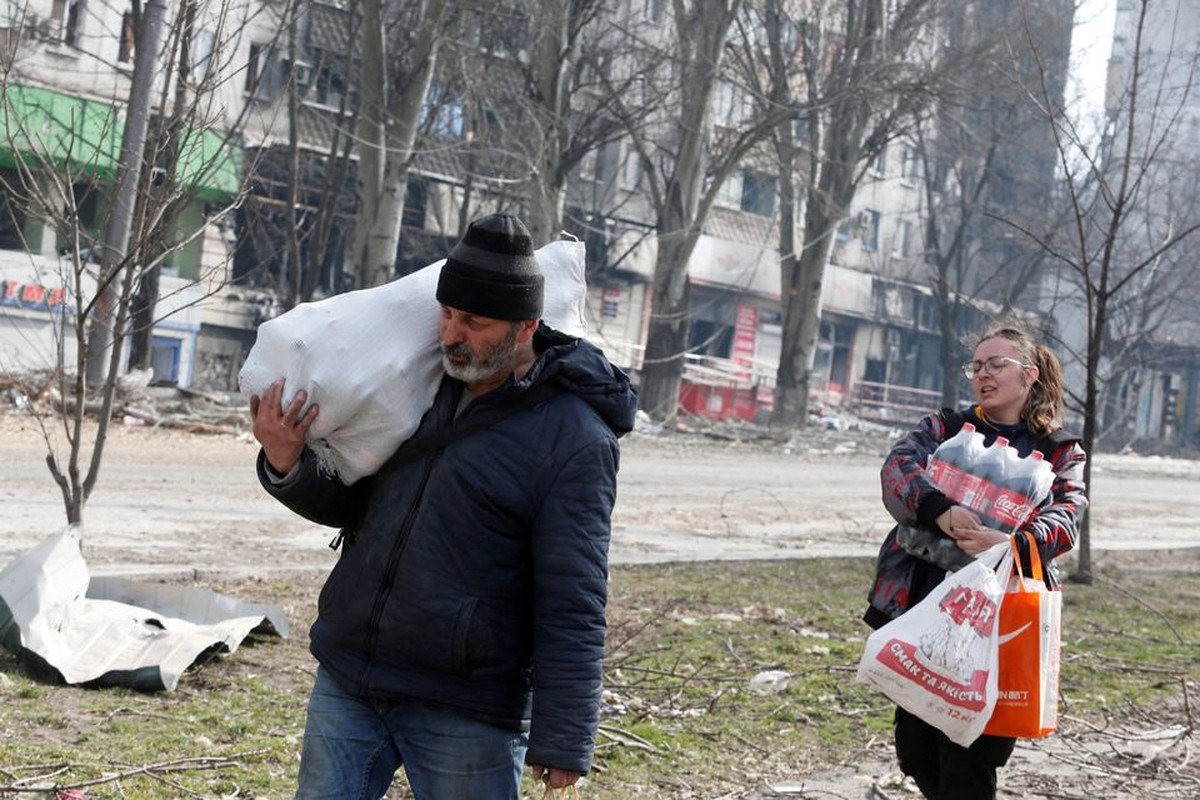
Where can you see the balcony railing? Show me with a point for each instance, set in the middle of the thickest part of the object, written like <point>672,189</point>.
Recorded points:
<point>890,403</point>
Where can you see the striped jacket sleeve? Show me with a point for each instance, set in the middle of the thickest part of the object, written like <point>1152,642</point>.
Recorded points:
<point>908,495</point>
<point>1056,524</point>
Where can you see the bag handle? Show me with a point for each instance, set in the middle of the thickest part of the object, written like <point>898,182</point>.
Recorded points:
<point>1035,559</point>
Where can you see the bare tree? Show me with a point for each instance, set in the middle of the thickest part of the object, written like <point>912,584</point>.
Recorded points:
<point>1121,260</point>
<point>110,215</point>
<point>394,85</point>
<point>687,164</point>
<point>987,155</point>
<point>867,71</point>
<point>582,92</point>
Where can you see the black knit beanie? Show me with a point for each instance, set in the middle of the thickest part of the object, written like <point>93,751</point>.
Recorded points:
<point>492,272</point>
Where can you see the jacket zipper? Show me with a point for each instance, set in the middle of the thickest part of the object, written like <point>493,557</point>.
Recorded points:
<point>393,561</point>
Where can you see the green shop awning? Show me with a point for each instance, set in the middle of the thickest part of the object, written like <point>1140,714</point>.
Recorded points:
<point>65,131</point>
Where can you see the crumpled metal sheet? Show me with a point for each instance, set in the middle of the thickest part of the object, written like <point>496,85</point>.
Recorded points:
<point>111,631</point>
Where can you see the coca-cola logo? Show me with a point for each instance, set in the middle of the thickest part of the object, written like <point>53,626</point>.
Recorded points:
<point>1012,508</point>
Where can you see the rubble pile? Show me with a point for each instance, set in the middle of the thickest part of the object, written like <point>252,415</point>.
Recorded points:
<point>138,402</point>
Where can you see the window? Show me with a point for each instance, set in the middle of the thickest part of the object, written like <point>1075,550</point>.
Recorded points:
<point>416,203</point>
<point>443,113</point>
<point>610,305</point>
<point>911,166</point>
<point>631,170</point>
<point>758,194</point>
<point>201,54</point>
<point>868,222</point>
<point>595,165</point>
<point>126,45</point>
<point>255,64</point>
<point>803,129</point>
<point>329,87</point>
<point>901,246</point>
<point>730,193</point>
<point>67,14</point>
<point>732,107</point>
<point>653,10</point>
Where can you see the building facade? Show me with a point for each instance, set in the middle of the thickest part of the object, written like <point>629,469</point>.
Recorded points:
<point>287,91</point>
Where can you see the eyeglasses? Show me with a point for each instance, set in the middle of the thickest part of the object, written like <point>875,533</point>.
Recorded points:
<point>993,365</point>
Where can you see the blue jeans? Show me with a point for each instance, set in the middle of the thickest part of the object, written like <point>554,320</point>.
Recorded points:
<point>353,747</point>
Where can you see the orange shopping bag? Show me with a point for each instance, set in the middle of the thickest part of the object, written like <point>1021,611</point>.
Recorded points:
<point>1030,648</point>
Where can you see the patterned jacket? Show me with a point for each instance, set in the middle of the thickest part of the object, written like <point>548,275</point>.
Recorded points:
<point>902,578</point>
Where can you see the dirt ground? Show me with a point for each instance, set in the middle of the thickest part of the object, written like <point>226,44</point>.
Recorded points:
<point>175,504</point>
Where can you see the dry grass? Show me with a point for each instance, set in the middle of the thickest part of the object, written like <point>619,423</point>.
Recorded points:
<point>683,720</point>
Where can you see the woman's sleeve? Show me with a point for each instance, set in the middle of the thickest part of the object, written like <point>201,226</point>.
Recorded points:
<point>908,495</point>
<point>1056,525</point>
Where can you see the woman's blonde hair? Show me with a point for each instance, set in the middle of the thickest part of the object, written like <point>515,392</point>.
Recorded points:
<point>1043,410</point>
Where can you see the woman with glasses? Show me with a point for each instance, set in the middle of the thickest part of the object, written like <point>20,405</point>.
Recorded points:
<point>1017,387</point>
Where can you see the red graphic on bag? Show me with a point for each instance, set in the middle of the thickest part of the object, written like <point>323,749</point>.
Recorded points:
<point>902,657</point>
<point>967,606</point>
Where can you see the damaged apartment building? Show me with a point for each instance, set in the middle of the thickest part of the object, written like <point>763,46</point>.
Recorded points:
<point>269,215</point>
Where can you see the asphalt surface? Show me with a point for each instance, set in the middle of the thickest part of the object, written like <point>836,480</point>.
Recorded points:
<point>170,503</point>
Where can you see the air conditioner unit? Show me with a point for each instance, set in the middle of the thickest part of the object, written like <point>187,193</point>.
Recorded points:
<point>301,72</point>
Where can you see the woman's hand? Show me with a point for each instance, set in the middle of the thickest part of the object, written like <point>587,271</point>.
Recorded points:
<point>957,517</point>
<point>975,540</point>
<point>964,527</point>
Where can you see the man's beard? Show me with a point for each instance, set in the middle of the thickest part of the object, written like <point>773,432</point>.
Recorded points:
<point>487,364</point>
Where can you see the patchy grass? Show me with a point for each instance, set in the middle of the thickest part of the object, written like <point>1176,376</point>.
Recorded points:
<point>682,717</point>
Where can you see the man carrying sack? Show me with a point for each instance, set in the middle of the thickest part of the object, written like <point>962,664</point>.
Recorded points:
<point>461,633</point>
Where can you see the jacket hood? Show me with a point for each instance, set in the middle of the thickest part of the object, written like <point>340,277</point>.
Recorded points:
<point>579,367</point>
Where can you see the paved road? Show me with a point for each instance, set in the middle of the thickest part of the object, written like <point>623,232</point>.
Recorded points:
<point>171,503</point>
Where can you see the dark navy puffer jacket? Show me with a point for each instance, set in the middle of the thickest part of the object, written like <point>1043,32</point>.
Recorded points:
<point>476,576</point>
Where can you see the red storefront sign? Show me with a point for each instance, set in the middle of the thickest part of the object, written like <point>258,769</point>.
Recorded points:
<point>31,295</point>
<point>745,331</point>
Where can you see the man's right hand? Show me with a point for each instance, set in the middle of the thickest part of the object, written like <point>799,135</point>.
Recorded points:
<point>280,431</point>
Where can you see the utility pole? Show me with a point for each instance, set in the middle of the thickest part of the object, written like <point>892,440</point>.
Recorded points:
<point>102,344</point>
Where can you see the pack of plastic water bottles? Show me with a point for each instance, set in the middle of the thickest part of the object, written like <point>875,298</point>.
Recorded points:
<point>994,481</point>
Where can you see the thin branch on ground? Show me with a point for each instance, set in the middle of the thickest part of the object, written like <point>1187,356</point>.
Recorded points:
<point>156,771</point>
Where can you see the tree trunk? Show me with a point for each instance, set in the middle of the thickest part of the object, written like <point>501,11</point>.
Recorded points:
<point>801,323</point>
<point>372,137</point>
<point>701,38</point>
<point>550,62</point>
<point>670,328</point>
<point>116,239</point>
<point>141,339</point>
<point>383,187</point>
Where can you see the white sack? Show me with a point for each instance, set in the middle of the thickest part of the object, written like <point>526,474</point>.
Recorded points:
<point>371,360</point>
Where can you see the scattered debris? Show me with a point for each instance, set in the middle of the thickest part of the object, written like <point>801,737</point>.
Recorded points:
<point>113,632</point>
<point>772,681</point>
